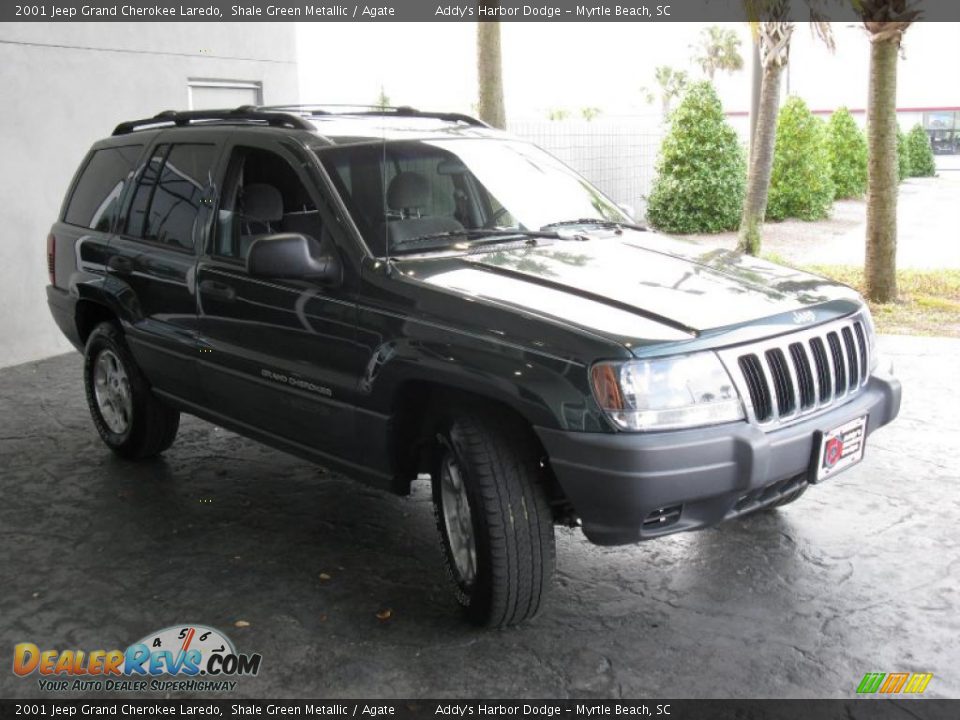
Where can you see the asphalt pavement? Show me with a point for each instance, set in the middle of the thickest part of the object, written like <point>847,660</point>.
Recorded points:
<point>341,588</point>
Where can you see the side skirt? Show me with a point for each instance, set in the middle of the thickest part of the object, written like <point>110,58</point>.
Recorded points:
<point>366,475</point>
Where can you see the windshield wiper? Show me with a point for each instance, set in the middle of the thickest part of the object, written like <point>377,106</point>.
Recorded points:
<point>476,236</point>
<point>600,222</point>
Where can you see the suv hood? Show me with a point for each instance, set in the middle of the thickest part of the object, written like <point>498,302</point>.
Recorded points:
<point>637,287</point>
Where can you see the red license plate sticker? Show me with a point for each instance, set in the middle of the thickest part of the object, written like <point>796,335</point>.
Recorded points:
<point>841,447</point>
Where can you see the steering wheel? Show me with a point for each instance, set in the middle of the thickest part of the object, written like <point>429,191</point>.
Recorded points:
<point>491,222</point>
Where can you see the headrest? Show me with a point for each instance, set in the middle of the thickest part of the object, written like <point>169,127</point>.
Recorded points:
<point>408,190</point>
<point>262,203</point>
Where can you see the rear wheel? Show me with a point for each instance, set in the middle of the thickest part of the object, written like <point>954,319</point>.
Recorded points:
<point>493,518</point>
<point>131,420</point>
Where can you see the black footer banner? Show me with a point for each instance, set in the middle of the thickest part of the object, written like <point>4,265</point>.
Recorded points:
<point>872,709</point>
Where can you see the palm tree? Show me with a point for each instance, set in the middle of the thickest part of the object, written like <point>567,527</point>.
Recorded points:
<point>885,21</point>
<point>490,74</point>
<point>718,49</point>
<point>773,42</point>
<point>672,83</point>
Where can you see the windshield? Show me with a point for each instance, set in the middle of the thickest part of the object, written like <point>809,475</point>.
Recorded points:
<point>402,191</point>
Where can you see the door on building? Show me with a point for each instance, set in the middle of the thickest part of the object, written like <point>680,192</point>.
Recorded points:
<point>210,94</point>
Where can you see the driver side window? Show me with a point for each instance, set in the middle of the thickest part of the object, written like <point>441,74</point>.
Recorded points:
<point>262,195</point>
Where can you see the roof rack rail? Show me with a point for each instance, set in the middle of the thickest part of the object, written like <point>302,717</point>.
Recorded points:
<point>375,110</point>
<point>244,113</point>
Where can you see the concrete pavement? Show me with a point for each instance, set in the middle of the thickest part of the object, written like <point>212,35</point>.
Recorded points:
<point>861,575</point>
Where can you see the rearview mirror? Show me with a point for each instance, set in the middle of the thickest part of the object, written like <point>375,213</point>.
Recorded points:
<point>293,256</point>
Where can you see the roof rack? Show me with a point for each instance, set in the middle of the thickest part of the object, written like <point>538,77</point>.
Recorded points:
<point>245,113</point>
<point>374,110</point>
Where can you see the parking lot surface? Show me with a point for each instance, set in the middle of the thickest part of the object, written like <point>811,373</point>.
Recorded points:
<point>341,587</point>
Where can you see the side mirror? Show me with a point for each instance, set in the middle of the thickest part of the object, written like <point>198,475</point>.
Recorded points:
<point>629,210</point>
<point>292,256</point>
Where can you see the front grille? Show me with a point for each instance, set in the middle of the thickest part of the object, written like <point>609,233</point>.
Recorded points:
<point>789,377</point>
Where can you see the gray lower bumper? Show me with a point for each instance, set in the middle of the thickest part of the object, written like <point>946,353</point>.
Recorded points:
<point>618,481</point>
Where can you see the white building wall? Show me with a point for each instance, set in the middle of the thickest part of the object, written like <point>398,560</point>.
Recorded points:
<point>65,86</point>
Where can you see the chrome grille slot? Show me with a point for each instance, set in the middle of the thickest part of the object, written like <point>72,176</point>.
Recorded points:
<point>800,374</point>
<point>852,356</point>
<point>782,385</point>
<point>823,368</point>
<point>862,345</point>
<point>839,364</point>
<point>756,386</point>
<point>808,394</point>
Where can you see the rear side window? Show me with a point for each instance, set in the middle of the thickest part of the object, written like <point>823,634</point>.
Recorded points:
<point>170,193</point>
<point>95,201</point>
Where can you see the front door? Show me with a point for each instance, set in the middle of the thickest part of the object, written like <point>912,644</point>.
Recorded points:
<point>279,356</point>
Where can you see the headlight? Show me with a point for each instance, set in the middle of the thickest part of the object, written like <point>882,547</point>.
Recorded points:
<point>666,393</point>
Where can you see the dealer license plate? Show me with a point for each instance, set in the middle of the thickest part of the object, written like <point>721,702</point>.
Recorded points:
<point>841,447</point>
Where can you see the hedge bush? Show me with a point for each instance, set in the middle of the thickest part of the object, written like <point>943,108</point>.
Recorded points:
<point>847,147</point>
<point>903,157</point>
<point>801,185</point>
<point>701,169</point>
<point>920,153</point>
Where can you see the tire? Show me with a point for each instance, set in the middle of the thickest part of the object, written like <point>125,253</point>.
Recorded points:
<point>513,549</point>
<point>131,420</point>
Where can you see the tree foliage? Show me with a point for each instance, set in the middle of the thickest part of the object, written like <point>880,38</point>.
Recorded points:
<point>718,49</point>
<point>801,184</point>
<point>920,153</point>
<point>701,169</point>
<point>672,84</point>
<point>847,146</point>
<point>903,157</point>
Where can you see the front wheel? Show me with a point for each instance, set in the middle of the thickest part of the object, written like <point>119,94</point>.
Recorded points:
<point>494,519</point>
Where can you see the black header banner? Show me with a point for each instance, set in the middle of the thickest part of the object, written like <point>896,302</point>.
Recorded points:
<point>873,709</point>
<point>444,11</point>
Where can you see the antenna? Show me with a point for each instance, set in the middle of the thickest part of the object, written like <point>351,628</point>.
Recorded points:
<point>383,197</point>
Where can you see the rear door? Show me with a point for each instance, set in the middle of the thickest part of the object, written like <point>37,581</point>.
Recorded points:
<point>152,258</point>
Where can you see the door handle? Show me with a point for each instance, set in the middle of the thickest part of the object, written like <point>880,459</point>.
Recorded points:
<point>218,290</point>
<point>120,264</point>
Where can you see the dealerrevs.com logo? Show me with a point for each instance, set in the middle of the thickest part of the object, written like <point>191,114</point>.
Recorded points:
<point>188,658</point>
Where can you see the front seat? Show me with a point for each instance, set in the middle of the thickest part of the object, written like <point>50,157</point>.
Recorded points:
<point>261,212</point>
<point>407,196</point>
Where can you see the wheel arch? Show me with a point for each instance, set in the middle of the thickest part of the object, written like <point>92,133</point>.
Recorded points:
<point>418,408</point>
<point>95,305</point>
<point>90,313</point>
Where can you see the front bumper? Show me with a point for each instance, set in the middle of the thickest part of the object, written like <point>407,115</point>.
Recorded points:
<point>686,480</point>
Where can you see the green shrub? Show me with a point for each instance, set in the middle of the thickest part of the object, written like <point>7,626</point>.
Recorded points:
<point>701,169</point>
<point>920,153</point>
<point>903,157</point>
<point>801,185</point>
<point>847,148</point>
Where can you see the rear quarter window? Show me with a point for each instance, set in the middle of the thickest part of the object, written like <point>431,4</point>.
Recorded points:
<point>95,200</point>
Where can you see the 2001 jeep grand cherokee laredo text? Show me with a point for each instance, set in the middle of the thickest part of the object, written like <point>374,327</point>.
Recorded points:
<point>391,292</point>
